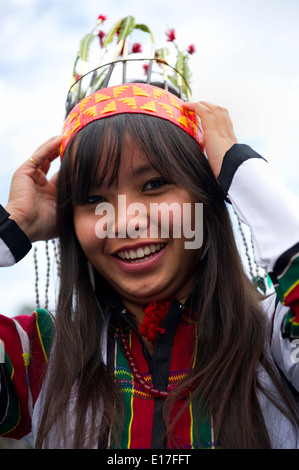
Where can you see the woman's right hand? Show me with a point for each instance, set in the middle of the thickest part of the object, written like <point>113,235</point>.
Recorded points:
<point>32,198</point>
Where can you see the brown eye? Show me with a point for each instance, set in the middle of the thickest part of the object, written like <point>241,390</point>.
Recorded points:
<point>94,199</point>
<point>155,183</point>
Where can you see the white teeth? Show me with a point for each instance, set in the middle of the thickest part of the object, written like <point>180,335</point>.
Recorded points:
<point>140,252</point>
<point>147,250</point>
<point>133,254</point>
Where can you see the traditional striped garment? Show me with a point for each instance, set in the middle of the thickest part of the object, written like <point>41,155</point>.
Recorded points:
<point>25,346</point>
<point>172,359</point>
<point>286,283</point>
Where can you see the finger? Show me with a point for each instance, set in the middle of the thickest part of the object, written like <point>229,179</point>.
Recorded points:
<point>211,115</point>
<point>205,113</point>
<point>45,166</point>
<point>48,151</point>
<point>203,108</point>
<point>200,104</point>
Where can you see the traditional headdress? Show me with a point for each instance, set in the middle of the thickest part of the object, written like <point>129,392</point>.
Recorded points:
<point>124,80</point>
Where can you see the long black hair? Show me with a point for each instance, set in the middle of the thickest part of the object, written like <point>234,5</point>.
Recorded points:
<point>232,328</point>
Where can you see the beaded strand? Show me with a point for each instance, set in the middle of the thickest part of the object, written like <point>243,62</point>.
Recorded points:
<point>48,268</point>
<point>137,376</point>
<point>154,392</point>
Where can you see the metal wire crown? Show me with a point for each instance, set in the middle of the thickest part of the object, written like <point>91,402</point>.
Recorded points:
<point>116,66</point>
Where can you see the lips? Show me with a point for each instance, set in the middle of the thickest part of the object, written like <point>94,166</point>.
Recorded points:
<point>139,254</point>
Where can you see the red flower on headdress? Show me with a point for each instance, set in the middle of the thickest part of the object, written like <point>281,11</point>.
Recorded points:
<point>191,49</point>
<point>136,48</point>
<point>102,18</point>
<point>145,68</point>
<point>78,76</point>
<point>170,35</point>
<point>101,35</point>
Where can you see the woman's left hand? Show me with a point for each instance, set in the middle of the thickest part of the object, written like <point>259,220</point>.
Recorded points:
<point>218,133</point>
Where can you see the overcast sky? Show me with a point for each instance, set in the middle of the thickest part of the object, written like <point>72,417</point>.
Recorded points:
<point>247,59</point>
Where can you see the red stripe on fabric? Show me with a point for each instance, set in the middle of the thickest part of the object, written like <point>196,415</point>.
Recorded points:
<point>37,361</point>
<point>292,300</point>
<point>182,357</point>
<point>142,406</point>
<point>13,348</point>
<point>292,296</point>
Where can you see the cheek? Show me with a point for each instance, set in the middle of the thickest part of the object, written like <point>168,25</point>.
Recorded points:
<point>85,231</point>
<point>179,212</point>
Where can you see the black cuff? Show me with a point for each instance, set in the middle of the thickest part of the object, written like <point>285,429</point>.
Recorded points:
<point>13,236</point>
<point>233,158</point>
<point>283,262</point>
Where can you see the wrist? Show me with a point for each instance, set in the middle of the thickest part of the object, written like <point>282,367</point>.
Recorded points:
<point>13,235</point>
<point>20,220</point>
<point>234,158</point>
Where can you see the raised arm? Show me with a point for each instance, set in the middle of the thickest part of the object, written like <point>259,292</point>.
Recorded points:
<point>32,198</point>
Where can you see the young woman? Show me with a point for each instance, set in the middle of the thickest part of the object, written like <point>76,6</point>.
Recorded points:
<point>155,345</point>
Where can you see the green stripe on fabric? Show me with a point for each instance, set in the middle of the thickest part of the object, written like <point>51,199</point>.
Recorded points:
<point>289,327</point>
<point>45,327</point>
<point>288,279</point>
<point>126,380</point>
<point>200,428</point>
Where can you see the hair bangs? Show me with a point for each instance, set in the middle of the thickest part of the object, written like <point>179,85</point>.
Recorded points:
<point>95,154</point>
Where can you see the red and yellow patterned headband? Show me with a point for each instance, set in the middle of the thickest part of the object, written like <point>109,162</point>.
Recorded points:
<point>130,98</point>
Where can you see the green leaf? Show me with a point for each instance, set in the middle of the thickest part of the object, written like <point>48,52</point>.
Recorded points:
<point>180,62</point>
<point>126,27</point>
<point>75,65</point>
<point>182,65</point>
<point>186,69</point>
<point>145,29</point>
<point>110,35</point>
<point>162,53</point>
<point>173,79</point>
<point>85,46</point>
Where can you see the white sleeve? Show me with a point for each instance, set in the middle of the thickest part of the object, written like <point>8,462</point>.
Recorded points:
<point>6,256</point>
<point>263,202</point>
<point>284,351</point>
<point>14,244</point>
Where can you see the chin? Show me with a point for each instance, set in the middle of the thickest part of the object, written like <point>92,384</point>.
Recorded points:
<point>147,297</point>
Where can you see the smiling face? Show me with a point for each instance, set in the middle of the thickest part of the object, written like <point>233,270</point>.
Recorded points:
<point>143,268</point>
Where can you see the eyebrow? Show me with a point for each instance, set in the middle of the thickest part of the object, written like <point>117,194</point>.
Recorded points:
<point>141,170</point>
<point>136,172</point>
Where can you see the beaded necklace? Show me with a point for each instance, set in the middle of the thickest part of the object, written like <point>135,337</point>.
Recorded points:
<point>154,392</point>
